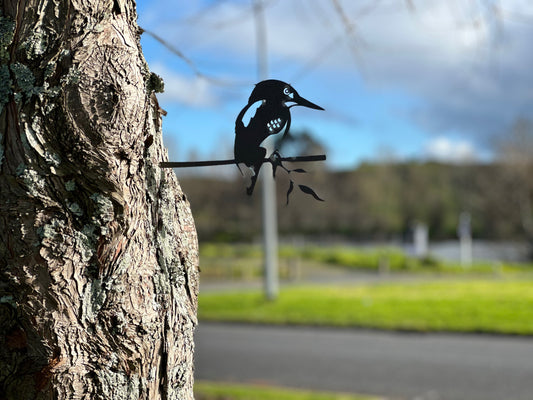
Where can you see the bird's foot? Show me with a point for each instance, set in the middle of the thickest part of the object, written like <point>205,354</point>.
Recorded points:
<point>250,189</point>
<point>275,160</point>
<point>274,157</point>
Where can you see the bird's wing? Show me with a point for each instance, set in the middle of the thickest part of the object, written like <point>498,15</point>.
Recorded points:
<point>250,112</point>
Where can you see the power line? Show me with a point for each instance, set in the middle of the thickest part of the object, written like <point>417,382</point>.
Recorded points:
<point>191,64</point>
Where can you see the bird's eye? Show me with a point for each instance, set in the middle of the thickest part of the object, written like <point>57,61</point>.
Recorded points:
<point>286,91</point>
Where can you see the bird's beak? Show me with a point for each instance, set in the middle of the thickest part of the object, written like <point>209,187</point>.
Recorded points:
<point>300,101</point>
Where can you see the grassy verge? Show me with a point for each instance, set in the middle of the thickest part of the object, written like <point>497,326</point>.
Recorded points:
<point>238,261</point>
<point>394,259</point>
<point>504,307</point>
<point>226,391</point>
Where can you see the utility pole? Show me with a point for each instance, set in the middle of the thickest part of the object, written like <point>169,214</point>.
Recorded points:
<point>269,212</point>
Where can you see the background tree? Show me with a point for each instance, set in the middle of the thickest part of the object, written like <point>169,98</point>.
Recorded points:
<point>516,158</point>
<point>98,249</point>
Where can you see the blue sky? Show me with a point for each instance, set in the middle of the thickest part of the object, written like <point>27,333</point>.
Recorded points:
<point>403,79</point>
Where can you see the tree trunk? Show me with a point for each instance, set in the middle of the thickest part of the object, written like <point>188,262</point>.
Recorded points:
<point>98,249</point>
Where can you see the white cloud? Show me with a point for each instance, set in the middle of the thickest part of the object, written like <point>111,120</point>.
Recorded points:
<point>195,91</point>
<point>448,150</point>
<point>468,63</point>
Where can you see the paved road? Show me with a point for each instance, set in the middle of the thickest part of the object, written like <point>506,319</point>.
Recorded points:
<point>399,366</point>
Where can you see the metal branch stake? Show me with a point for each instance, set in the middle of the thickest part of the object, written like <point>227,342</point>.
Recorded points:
<point>189,164</point>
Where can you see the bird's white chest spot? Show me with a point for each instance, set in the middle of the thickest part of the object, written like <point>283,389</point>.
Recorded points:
<point>274,125</point>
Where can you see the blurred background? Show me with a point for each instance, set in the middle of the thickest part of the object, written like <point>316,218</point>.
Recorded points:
<point>428,184</point>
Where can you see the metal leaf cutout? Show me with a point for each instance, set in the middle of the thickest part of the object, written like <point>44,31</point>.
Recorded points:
<point>291,186</point>
<point>308,190</point>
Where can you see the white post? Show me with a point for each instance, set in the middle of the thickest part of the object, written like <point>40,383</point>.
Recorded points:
<point>464,231</point>
<point>270,217</point>
<point>421,240</point>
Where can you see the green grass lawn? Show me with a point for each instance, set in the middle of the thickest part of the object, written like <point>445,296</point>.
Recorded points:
<point>490,306</point>
<point>227,391</point>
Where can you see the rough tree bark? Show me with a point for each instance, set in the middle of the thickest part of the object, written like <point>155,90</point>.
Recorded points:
<point>98,249</point>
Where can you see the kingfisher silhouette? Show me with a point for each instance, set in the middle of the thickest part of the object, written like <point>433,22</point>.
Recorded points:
<point>275,99</point>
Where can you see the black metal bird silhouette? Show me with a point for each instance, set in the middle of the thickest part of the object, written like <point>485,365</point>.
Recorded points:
<point>275,99</point>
